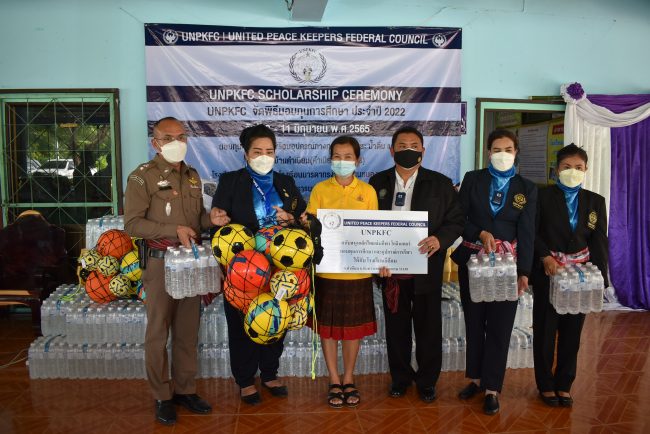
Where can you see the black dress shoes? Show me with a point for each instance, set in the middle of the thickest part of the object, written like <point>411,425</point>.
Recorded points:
<point>193,403</point>
<point>427,394</point>
<point>252,399</point>
<point>551,401</point>
<point>280,391</point>
<point>397,390</point>
<point>491,404</point>
<point>166,412</point>
<point>565,401</point>
<point>470,390</point>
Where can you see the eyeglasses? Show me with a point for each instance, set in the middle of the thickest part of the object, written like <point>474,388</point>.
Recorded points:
<point>168,139</point>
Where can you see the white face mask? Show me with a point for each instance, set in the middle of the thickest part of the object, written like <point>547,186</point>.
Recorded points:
<point>262,164</point>
<point>174,152</point>
<point>572,177</point>
<point>343,168</point>
<point>502,161</point>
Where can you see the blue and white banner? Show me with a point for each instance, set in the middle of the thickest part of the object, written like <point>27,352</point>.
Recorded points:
<point>309,85</point>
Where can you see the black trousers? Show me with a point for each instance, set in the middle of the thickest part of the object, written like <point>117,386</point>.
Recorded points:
<point>420,313</point>
<point>488,328</point>
<point>246,357</point>
<point>550,327</point>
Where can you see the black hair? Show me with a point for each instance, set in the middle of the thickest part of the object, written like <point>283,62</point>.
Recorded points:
<point>255,132</point>
<point>405,130</point>
<point>346,140</point>
<point>500,134</point>
<point>569,151</point>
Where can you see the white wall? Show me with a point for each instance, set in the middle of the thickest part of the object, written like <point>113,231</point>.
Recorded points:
<point>511,48</point>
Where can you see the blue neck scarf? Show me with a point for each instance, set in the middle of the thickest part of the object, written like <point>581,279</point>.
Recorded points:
<point>571,197</point>
<point>264,197</point>
<point>500,184</point>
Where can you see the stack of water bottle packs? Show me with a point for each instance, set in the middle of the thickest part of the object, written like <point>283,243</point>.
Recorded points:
<point>85,339</point>
<point>577,288</point>
<point>492,277</point>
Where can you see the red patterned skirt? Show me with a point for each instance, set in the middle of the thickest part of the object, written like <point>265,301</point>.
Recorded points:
<point>344,309</point>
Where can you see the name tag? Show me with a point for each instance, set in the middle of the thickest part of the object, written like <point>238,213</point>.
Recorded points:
<point>400,199</point>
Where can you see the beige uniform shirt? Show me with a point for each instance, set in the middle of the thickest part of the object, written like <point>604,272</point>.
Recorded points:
<point>159,197</point>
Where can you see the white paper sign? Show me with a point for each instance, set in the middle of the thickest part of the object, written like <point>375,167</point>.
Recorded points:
<point>357,241</point>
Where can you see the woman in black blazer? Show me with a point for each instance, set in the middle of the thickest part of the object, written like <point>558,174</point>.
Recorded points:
<point>572,227</point>
<point>499,206</point>
<point>255,196</point>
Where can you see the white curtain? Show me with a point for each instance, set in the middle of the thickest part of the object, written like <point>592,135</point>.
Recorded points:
<point>588,125</point>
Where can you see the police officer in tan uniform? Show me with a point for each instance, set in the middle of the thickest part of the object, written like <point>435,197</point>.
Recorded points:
<point>164,206</point>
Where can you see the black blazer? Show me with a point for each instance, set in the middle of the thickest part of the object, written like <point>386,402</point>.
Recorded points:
<point>554,231</point>
<point>516,220</point>
<point>432,192</point>
<point>235,196</point>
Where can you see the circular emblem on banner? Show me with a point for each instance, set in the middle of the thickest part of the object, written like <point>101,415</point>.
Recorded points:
<point>331,220</point>
<point>439,40</point>
<point>170,36</point>
<point>307,66</point>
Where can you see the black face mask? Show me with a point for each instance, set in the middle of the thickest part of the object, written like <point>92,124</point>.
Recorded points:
<point>408,158</point>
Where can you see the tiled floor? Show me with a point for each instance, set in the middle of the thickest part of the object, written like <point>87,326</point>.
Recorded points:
<point>612,394</point>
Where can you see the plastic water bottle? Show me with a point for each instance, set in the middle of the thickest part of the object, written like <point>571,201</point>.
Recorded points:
<point>574,293</point>
<point>513,350</point>
<point>597,289</point>
<point>462,353</point>
<point>290,363</point>
<point>476,289</point>
<point>172,272</point>
<point>445,354</point>
<point>500,287</point>
<point>586,291</point>
<point>453,354</point>
<point>487,272</point>
<point>445,318</point>
<point>511,277</point>
<point>202,271</point>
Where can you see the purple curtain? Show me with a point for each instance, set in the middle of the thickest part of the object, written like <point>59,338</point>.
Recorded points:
<point>629,216</point>
<point>619,103</point>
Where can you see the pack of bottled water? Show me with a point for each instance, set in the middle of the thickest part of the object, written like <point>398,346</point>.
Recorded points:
<point>97,226</point>
<point>55,357</point>
<point>492,277</point>
<point>577,288</point>
<point>524,316</point>
<point>191,271</point>
<point>520,351</point>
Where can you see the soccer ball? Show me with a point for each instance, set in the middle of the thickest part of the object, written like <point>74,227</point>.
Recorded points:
<point>284,283</point>
<point>304,285</point>
<point>120,285</point>
<point>264,236</point>
<point>238,298</point>
<point>230,240</point>
<point>115,243</point>
<point>97,288</point>
<point>249,270</point>
<point>108,266</point>
<point>266,319</point>
<point>298,313</point>
<point>88,259</point>
<point>130,266</point>
<point>140,291</point>
<point>291,249</point>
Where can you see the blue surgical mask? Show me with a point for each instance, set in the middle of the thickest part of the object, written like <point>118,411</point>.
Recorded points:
<point>343,168</point>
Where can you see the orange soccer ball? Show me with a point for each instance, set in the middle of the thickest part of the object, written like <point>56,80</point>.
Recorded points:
<point>97,288</point>
<point>115,243</point>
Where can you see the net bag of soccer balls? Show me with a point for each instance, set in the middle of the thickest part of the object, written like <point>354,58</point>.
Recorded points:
<point>112,269</point>
<point>272,302</point>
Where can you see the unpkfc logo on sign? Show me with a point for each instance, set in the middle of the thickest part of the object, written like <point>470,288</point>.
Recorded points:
<point>170,37</point>
<point>439,40</point>
<point>307,66</point>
